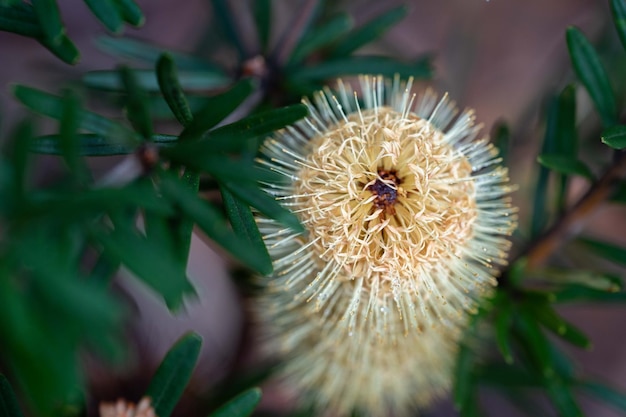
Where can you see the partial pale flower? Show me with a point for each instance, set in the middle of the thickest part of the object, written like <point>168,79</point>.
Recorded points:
<point>123,408</point>
<point>407,217</point>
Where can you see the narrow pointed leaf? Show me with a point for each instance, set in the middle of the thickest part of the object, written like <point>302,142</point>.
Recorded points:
<point>168,383</point>
<point>501,138</point>
<point>565,165</point>
<point>171,89</point>
<point>322,36</point>
<point>566,141</point>
<point>130,12</point>
<point>573,293</point>
<point>242,405</point>
<point>618,7</point>
<point>504,321</point>
<point>550,319</point>
<point>244,226</point>
<point>619,195</point>
<point>49,18</point>
<point>107,12</point>
<point>608,395</point>
<point>464,380</point>
<point>9,406</point>
<point>263,16</point>
<point>90,144</point>
<point>591,73</point>
<point>147,79</point>
<point>615,137</point>
<point>20,19</point>
<point>369,31</point>
<point>64,49</point>
<point>535,342</point>
<point>265,204</point>
<point>606,250</point>
<point>226,21</point>
<point>68,127</point>
<point>137,107</point>
<point>562,397</point>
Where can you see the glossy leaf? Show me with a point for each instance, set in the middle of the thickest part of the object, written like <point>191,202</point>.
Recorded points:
<point>608,395</point>
<point>137,107</point>
<point>322,36</point>
<point>51,106</point>
<point>420,68</point>
<point>565,165</point>
<point>130,12</point>
<point>216,109</point>
<point>615,137</point>
<point>148,53</point>
<point>606,250</point>
<point>94,145</point>
<point>618,7</point>
<point>265,204</point>
<point>244,225</point>
<point>242,405</point>
<point>213,224</point>
<point>107,12</point>
<point>369,32</point>
<point>168,383</point>
<point>49,18</point>
<point>171,89</point>
<point>591,73</point>
<point>9,406</point>
<point>147,79</point>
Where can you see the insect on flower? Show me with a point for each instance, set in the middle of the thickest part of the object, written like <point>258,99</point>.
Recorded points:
<point>407,217</point>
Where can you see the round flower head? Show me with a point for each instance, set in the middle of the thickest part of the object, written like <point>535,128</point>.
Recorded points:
<point>406,219</point>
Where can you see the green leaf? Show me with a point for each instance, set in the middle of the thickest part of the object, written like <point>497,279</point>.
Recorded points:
<point>70,120</point>
<point>606,250</point>
<point>508,376</point>
<point>322,36</point>
<point>148,53</point>
<point>263,17</point>
<point>137,107</point>
<point>590,279</point>
<point>356,65</point>
<point>549,318</point>
<point>94,145</point>
<point>562,398</point>
<point>566,141</point>
<point>464,380</point>
<point>369,32</point>
<point>169,381</point>
<point>535,342</point>
<point>589,70</point>
<point>212,223</point>
<point>20,19</point>
<point>607,394</point>
<point>583,293</point>
<point>619,195</point>
<point>615,137</point>
<point>242,405</point>
<point>19,155</point>
<point>171,89</point>
<point>565,165</point>
<point>265,204</point>
<point>504,320</point>
<point>501,139</point>
<point>130,12</point>
<point>147,79</point>
<point>224,18</point>
<point>9,406</point>
<point>244,226</point>
<point>51,106</point>
<point>216,109</point>
<point>49,18</point>
<point>618,7</point>
<point>106,11</point>
<point>64,49</point>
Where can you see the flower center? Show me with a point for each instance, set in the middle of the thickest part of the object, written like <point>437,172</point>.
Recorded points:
<point>385,188</point>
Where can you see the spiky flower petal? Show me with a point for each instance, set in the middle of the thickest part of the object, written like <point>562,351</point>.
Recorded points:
<point>406,219</point>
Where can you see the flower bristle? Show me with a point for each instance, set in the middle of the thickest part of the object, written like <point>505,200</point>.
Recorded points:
<point>407,218</point>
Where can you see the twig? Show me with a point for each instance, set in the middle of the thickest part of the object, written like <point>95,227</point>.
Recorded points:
<point>538,251</point>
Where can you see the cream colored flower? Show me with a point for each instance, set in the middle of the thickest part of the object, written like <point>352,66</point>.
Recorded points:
<point>406,218</point>
<point>122,408</point>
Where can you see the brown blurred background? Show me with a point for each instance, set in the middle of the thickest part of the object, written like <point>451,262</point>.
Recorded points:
<point>501,57</point>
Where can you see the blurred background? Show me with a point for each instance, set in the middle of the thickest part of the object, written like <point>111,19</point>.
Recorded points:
<point>503,58</point>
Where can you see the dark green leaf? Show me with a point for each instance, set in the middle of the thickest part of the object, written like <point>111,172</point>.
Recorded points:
<point>535,342</point>
<point>463,377</point>
<point>615,137</point>
<point>212,223</point>
<point>148,53</point>
<point>9,407</point>
<point>169,381</point>
<point>322,36</point>
<point>64,49</point>
<point>549,318</point>
<point>104,270</point>
<point>590,279</point>
<point>618,7</point>
<point>562,398</point>
<point>504,321</point>
<point>49,18</point>
<point>566,141</point>
<point>107,12</point>
<point>130,12</point>
<point>263,17</point>
<point>565,165</point>
<point>147,79</point>
<point>224,18</point>
<point>137,108</point>
<point>619,196</point>
<point>20,19</point>
<point>94,145</point>
<point>501,139</point>
<point>19,154</point>
<point>507,376</point>
<point>583,293</point>
<point>420,68</point>
<point>606,250</point>
<point>265,204</point>
<point>593,76</point>
<point>216,109</point>
<point>369,32</point>
<point>241,406</point>
<point>70,120</point>
<point>51,106</point>
<point>171,89</point>
<point>244,226</point>
<point>607,394</point>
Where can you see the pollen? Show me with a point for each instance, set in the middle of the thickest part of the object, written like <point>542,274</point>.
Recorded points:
<point>407,218</point>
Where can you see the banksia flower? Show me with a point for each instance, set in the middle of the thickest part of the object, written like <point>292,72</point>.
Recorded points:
<point>122,408</point>
<point>406,217</point>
